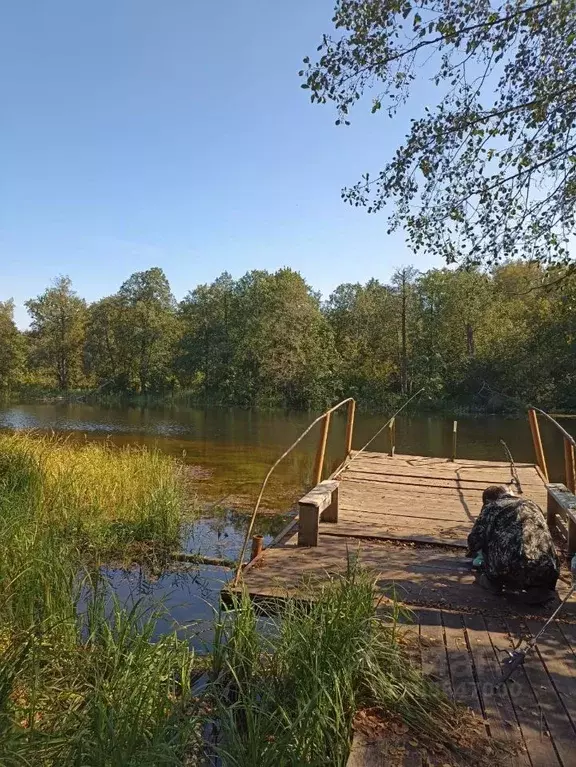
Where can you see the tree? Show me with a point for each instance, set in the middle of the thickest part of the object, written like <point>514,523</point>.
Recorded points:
<point>489,173</point>
<point>259,340</point>
<point>58,331</point>
<point>11,347</point>
<point>363,319</point>
<point>132,336</point>
<point>456,314</point>
<point>403,282</point>
<point>286,352</point>
<point>104,353</point>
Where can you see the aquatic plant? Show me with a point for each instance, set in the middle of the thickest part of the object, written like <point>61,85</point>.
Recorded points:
<point>288,695</point>
<point>98,494</point>
<point>110,697</point>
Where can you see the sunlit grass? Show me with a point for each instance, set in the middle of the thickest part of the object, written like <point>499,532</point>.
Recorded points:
<point>96,686</point>
<point>288,696</point>
<point>86,688</point>
<point>98,494</point>
<point>109,697</point>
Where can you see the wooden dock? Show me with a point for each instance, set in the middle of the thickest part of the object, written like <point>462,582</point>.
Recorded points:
<point>407,519</point>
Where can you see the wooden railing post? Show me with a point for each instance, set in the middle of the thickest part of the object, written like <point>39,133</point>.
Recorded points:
<point>257,546</point>
<point>321,452</point>
<point>454,439</point>
<point>392,433</point>
<point>537,440</point>
<point>569,466</point>
<point>350,426</point>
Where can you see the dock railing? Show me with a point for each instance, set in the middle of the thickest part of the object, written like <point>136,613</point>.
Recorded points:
<point>561,498</point>
<point>325,419</point>
<point>569,445</point>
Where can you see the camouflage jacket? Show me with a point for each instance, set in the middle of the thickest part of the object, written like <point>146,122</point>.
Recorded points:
<point>518,548</point>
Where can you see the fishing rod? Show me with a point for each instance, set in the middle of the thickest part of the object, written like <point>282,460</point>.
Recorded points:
<point>515,479</point>
<point>517,656</point>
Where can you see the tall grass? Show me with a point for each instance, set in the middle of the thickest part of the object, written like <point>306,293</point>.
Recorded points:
<point>64,506</point>
<point>92,688</point>
<point>98,494</point>
<point>288,696</point>
<point>110,698</point>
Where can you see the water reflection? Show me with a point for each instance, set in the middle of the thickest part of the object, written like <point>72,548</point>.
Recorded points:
<point>186,600</point>
<point>238,446</point>
<point>221,536</point>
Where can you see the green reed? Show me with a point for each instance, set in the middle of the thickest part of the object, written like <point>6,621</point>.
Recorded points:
<point>287,696</point>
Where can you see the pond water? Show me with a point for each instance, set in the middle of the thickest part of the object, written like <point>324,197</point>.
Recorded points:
<point>227,453</point>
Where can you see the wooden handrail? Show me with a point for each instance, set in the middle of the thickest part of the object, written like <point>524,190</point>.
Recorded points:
<point>318,464</point>
<point>567,436</point>
<point>569,445</point>
<point>537,440</point>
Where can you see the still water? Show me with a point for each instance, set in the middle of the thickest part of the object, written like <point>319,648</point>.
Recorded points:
<point>227,453</point>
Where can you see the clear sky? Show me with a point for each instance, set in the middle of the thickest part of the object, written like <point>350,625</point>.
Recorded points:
<point>174,133</point>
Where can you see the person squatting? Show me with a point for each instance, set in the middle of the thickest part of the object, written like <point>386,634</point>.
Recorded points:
<point>513,538</point>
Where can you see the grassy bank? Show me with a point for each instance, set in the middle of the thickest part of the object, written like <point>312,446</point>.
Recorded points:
<point>83,683</point>
<point>102,497</point>
<point>288,695</point>
<point>85,687</point>
<point>95,690</point>
<point>65,507</point>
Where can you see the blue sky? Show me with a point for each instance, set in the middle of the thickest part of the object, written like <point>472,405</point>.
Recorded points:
<point>137,133</point>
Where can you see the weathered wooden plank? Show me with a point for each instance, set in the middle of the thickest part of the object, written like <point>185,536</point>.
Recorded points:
<point>425,532</point>
<point>368,493</point>
<point>548,702</point>
<point>496,704</point>
<point>556,657</point>
<point>460,663</point>
<point>528,713</point>
<point>433,649</point>
<point>400,535</point>
<point>429,481</point>
<point>408,511</point>
<point>319,503</point>
<point>569,632</point>
<point>562,500</point>
<point>418,493</point>
<point>528,477</point>
<point>414,460</point>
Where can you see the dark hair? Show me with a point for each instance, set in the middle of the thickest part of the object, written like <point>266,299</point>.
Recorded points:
<point>494,493</point>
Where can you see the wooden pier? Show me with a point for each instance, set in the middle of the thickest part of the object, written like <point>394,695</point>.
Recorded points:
<point>407,519</point>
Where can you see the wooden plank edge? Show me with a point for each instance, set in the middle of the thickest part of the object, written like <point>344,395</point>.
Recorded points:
<point>446,543</point>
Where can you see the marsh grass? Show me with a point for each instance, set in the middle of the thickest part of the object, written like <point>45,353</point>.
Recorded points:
<point>288,696</point>
<point>98,687</point>
<point>107,698</point>
<point>97,494</point>
<point>85,688</point>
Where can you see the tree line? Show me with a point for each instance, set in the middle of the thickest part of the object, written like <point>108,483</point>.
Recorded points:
<point>266,339</point>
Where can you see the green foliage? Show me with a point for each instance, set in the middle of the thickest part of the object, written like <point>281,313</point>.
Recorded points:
<point>12,348</point>
<point>262,340</point>
<point>57,332</point>
<point>287,694</point>
<point>267,340</point>
<point>92,498</point>
<point>489,171</point>
<point>85,685</point>
<point>132,335</point>
<point>95,689</point>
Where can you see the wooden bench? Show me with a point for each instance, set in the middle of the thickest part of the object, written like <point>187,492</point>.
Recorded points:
<point>562,503</point>
<point>321,503</point>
